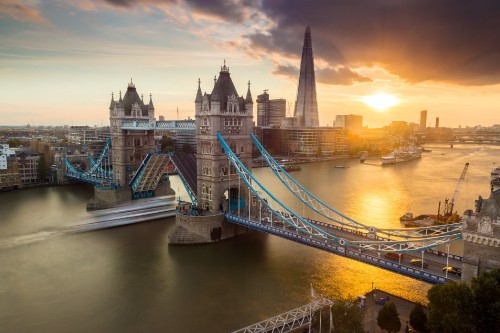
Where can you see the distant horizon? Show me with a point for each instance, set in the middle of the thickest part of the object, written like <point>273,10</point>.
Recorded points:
<point>60,61</point>
<point>192,118</point>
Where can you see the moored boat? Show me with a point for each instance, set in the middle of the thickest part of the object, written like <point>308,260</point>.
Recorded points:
<point>291,167</point>
<point>401,155</point>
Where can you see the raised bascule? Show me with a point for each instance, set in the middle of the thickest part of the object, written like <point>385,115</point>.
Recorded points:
<point>226,199</point>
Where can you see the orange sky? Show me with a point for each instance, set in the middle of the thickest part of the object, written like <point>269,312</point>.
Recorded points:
<point>59,62</point>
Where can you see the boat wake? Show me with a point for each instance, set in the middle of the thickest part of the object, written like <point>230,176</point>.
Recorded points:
<point>32,238</point>
<point>105,218</point>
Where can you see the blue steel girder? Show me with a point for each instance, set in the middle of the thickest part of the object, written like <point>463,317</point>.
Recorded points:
<point>95,174</point>
<point>104,153</point>
<point>302,225</point>
<point>320,207</point>
<point>355,254</point>
<point>289,217</point>
<point>137,176</point>
<point>99,168</point>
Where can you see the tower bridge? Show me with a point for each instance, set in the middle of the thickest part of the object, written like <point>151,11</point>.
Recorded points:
<point>227,200</point>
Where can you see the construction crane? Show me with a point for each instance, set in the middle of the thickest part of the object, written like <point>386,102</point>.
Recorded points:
<point>449,205</point>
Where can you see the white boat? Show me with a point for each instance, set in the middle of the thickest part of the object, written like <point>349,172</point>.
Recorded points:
<point>404,154</point>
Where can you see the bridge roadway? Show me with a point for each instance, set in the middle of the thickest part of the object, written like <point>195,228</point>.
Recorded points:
<point>435,260</point>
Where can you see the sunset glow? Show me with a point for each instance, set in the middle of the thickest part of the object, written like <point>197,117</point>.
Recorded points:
<point>167,46</point>
<point>381,101</point>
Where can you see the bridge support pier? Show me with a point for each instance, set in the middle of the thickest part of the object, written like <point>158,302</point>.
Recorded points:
<point>202,229</point>
<point>107,198</point>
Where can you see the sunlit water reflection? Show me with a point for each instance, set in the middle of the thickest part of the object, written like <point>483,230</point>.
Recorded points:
<point>127,279</point>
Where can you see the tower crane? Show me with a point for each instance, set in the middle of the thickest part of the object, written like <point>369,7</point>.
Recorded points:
<point>449,205</point>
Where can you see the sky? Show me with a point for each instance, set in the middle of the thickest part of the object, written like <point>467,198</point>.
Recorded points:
<point>61,60</point>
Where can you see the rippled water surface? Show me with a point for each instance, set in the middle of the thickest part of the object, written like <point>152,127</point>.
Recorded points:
<point>127,279</point>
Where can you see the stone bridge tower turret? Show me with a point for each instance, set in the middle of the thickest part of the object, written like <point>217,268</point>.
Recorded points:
<point>222,111</point>
<point>218,185</point>
<point>129,148</point>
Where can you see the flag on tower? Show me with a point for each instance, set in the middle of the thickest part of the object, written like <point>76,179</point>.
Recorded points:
<point>313,292</point>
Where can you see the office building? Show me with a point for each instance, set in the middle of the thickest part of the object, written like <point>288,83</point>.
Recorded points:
<point>351,122</point>
<point>270,112</point>
<point>423,119</point>
<point>306,104</point>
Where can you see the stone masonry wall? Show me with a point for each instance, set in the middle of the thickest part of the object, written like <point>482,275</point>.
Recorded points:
<point>191,229</point>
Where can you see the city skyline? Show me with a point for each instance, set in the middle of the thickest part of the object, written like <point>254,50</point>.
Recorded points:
<point>60,61</point>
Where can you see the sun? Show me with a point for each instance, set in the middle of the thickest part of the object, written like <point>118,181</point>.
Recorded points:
<point>381,101</point>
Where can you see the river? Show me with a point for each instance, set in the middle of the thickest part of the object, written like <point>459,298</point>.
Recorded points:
<point>127,279</point>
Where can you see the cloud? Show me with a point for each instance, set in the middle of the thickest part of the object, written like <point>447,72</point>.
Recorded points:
<point>18,11</point>
<point>227,10</point>
<point>339,76</point>
<point>449,40</point>
<point>334,76</point>
<point>289,71</point>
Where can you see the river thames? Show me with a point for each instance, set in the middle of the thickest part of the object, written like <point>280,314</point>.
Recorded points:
<point>127,279</point>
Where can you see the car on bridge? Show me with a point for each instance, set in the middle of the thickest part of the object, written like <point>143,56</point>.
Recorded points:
<point>452,270</point>
<point>394,255</point>
<point>418,262</point>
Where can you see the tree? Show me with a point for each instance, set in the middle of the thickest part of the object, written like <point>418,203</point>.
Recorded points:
<point>451,307</point>
<point>15,143</point>
<point>418,318</point>
<point>186,148</point>
<point>486,292</point>
<point>347,317</point>
<point>167,144</point>
<point>388,318</point>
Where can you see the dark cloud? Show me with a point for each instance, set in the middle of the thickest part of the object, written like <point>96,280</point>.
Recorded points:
<point>338,76</point>
<point>448,40</point>
<point>286,70</point>
<point>228,10</point>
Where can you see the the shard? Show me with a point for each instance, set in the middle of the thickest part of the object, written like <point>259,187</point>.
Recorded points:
<point>306,104</point>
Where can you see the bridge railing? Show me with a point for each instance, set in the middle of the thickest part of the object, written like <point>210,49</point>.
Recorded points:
<point>288,321</point>
<point>173,125</point>
<point>342,250</point>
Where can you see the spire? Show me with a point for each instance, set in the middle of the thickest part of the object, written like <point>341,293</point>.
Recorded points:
<point>198,93</point>
<point>112,104</point>
<point>131,84</point>
<point>249,94</point>
<point>151,106</point>
<point>120,101</point>
<point>224,69</point>
<point>215,79</point>
<point>307,38</point>
<point>142,98</point>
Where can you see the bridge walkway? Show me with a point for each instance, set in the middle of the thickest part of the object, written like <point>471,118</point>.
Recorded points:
<point>435,260</point>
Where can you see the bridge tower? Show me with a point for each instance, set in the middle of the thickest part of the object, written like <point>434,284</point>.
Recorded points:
<point>218,186</point>
<point>225,112</point>
<point>128,148</point>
